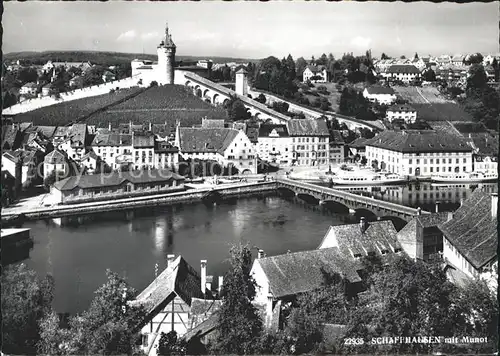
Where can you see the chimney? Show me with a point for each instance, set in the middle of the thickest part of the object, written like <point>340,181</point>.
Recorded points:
<point>450,216</point>
<point>437,207</point>
<point>269,309</point>
<point>260,254</point>
<point>419,211</point>
<point>203,271</point>
<point>109,126</point>
<point>362,224</point>
<point>150,126</point>
<point>494,205</point>
<point>221,281</point>
<point>170,260</point>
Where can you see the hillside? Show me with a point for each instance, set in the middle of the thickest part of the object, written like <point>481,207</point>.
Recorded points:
<point>103,58</point>
<point>167,103</point>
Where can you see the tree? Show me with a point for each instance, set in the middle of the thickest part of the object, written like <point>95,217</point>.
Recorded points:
<point>384,56</point>
<point>363,161</point>
<point>27,75</point>
<point>110,325</point>
<point>238,319</point>
<point>261,98</point>
<point>169,344</point>
<point>477,77</point>
<point>26,299</point>
<point>300,66</point>
<point>154,83</point>
<point>475,58</point>
<point>403,57</point>
<point>429,75</point>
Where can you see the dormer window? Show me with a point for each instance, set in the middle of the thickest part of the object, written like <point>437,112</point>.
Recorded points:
<point>397,249</point>
<point>384,251</point>
<point>357,255</point>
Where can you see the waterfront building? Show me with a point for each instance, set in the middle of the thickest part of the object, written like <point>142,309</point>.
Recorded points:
<point>228,147</point>
<point>281,278</point>
<point>169,301</point>
<point>16,243</point>
<point>485,148</point>
<point>55,161</point>
<point>402,72</point>
<point>337,147</point>
<point>379,94</point>
<point>358,147</point>
<point>419,153</point>
<point>115,185</point>
<point>90,161</point>
<point>401,112</point>
<point>165,154</point>
<point>315,74</point>
<point>470,238</point>
<point>28,89</point>
<point>310,142</point>
<point>8,183</point>
<point>274,144</point>
<point>363,239</point>
<point>143,144</point>
<point>421,237</point>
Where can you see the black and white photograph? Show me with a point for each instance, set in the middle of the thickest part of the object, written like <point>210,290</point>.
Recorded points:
<point>249,178</point>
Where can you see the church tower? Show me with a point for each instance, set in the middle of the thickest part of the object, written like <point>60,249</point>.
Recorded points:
<point>166,59</point>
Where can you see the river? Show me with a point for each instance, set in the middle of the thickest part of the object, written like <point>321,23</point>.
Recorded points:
<point>77,251</point>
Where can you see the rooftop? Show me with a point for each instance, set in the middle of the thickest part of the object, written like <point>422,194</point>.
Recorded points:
<point>55,157</point>
<point>379,238</point>
<point>116,178</point>
<point>418,141</point>
<point>112,139</point>
<point>401,108</point>
<point>403,68</point>
<point>206,140</point>
<point>270,130</point>
<point>377,90</point>
<point>472,230</point>
<point>299,127</point>
<point>299,272</point>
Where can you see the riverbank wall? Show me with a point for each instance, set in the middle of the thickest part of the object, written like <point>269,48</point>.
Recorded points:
<point>188,196</point>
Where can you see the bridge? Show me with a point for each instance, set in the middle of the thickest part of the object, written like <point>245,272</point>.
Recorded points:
<point>347,201</point>
<point>217,94</point>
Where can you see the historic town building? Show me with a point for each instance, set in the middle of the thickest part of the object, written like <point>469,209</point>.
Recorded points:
<point>380,95</point>
<point>419,153</point>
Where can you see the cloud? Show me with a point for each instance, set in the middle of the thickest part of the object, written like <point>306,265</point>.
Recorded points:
<point>127,36</point>
<point>361,42</point>
<point>203,36</point>
<point>150,35</point>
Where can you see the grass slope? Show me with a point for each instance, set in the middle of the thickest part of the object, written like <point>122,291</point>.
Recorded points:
<point>162,104</point>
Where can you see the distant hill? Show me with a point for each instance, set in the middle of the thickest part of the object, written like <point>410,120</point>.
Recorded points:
<point>104,58</point>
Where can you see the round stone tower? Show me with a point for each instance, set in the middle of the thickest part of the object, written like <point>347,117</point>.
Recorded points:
<point>166,59</point>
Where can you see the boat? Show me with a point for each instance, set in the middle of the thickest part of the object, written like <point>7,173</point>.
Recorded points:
<point>374,179</point>
<point>474,177</point>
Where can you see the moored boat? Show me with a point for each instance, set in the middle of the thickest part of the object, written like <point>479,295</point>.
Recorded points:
<point>375,179</point>
<point>474,177</point>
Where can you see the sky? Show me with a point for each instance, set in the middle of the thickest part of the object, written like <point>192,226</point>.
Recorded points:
<point>254,29</point>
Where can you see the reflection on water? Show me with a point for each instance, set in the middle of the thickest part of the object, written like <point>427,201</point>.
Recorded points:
<point>424,195</point>
<point>78,250</point>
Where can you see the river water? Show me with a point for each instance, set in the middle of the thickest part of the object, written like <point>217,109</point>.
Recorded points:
<point>77,251</point>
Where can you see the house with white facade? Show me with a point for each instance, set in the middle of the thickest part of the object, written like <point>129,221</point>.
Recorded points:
<point>379,94</point>
<point>402,72</point>
<point>315,74</point>
<point>229,147</point>
<point>419,153</point>
<point>28,89</point>
<point>18,163</point>
<point>74,143</point>
<point>401,112</point>
<point>55,161</point>
<point>114,149</point>
<point>470,238</point>
<point>90,161</point>
<point>458,60</point>
<point>310,142</point>
<point>274,144</point>
<point>168,301</point>
<point>337,147</point>
<point>143,150</point>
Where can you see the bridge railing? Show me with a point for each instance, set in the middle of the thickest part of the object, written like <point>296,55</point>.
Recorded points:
<point>352,196</point>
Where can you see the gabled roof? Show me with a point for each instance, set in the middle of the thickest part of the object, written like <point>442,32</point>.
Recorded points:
<point>360,142</point>
<point>116,178</point>
<point>27,156</point>
<point>403,68</point>
<point>202,309</point>
<point>265,130</point>
<point>299,272</point>
<point>78,134</point>
<point>316,69</point>
<point>55,157</point>
<point>62,131</point>
<point>378,89</point>
<point>472,230</point>
<point>179,278</point>
<point>401,108</point>
<point>419,141</point>
<point>351,240</point>
<point>212,123</point>
<point>10,136</point>
<point>91,154</point>
<point>206,140</point>
<point>337,137</point>
<point>112,139</point>
<point>29,85</point>
<point>143,140</point>
<point>165,147</point>
<point>303,127</point>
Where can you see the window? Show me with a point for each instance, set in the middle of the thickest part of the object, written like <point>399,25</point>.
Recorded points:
<point>449,169</point>
<point>410,162</point>
<point>437,161</point>
<point>465,160</point>
<point>449,160</point>
<point>410,170</point>
<point>145,340</point>
<point>457,160</point>
<point>431,169</point>
<point>463,169</point>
